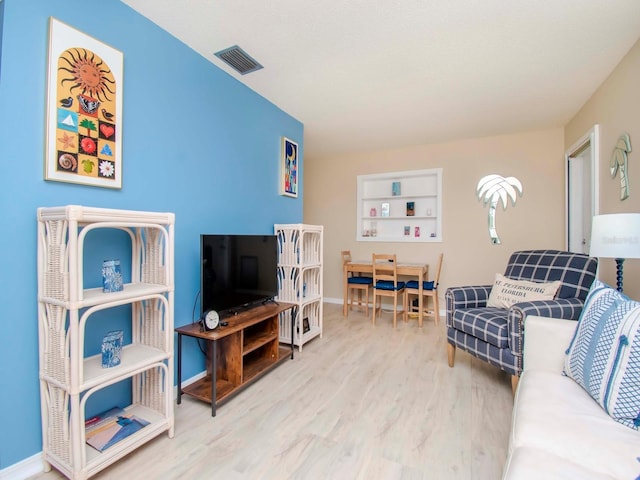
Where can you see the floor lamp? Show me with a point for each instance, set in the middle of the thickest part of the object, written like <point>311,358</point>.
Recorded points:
<point>616,235</point>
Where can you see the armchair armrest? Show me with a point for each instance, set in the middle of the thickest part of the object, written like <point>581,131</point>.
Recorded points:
<point>466,297</point>
<point>546,341</point>
<point>560,308</point>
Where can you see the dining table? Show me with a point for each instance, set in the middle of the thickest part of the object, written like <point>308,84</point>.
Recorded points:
<point>419,271</point>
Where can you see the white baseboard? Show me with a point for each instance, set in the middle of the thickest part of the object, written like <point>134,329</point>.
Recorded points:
<point>338,301</point>
<point>23,469</point>
<point>189,381</point>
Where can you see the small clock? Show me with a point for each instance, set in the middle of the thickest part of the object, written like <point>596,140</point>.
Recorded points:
<point>210,320</point>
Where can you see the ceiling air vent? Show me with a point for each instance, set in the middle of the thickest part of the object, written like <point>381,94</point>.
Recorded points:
<point>238,59</point>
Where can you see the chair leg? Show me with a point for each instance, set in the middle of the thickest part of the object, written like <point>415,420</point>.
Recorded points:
<point>436,308</point>
<point>348,300</point>
<point>395,309</point>
<point>373,317</point>
<point>366,305</point>
<point>451,354</point>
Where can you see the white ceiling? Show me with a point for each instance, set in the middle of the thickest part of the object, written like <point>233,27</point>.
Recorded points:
<point>376,74</point>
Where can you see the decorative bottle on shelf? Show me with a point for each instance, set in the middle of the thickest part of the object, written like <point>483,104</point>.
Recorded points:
<point>411,209</point>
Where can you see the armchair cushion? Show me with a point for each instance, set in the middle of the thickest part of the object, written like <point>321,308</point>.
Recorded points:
<point>507,292</point>
<point>604,354</point>
<point>488,324</point>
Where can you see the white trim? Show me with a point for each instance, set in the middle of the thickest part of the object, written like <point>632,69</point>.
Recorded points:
<point>188,382</point>
<point>592,138</point>
<point>25,468</point>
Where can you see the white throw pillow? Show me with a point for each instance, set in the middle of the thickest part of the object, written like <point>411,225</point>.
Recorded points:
<point>505,291</point>
<point>604,354</point>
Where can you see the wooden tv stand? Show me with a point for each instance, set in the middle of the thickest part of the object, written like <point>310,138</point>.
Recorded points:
<point>239,353</point>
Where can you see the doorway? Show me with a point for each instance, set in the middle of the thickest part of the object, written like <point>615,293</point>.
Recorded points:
<point>582,185</point>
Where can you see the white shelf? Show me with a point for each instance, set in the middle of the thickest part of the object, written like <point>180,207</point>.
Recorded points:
<point>400,197</point>
<point>300,280</point>
<point>97,461</point>
<point>421,187</point>
<point>406,217</point>
<point>65,308</point>
<point>134,357</point>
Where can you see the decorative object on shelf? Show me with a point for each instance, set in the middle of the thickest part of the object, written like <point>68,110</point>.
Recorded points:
<point>619,163</point>
<point>407,231</point>
<point>289,168</point>
<point>395,189</point>
<point>374,229</point>
<point>417,232</point>
<point>306,327</point>
<point>429,212</point>
<point>84,109</point>
<point>411,209</point>
<point>111,276</point>
<point>616,235</point>
<point>113,429</point>
<point>493,188</point>
<point>112,349</point>
<point>373,212</point>
<point>384,211</point>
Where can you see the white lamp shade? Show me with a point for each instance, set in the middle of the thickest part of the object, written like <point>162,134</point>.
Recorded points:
<point>615,235</point>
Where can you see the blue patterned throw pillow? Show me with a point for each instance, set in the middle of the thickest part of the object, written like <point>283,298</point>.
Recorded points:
<point>604,354</point>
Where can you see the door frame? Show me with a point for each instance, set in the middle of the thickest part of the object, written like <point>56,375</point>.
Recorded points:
<point>589,139</point>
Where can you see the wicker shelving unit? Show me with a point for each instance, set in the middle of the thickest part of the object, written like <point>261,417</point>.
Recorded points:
<point>65,307</point>
<point>300,280</point>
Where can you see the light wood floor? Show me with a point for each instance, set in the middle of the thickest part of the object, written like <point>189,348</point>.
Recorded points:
<point>362,402</point>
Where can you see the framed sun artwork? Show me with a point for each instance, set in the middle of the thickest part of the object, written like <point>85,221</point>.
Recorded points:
<point>84,109</point>
<point>289,168</point>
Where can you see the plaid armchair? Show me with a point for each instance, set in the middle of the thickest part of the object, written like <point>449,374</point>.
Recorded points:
<point>495,335</point>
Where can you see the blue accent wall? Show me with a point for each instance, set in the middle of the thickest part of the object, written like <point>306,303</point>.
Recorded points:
<point>196,142</point>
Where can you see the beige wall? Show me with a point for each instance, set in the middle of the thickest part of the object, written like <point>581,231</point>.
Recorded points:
<point>536,221</point>
<point>615,106</point>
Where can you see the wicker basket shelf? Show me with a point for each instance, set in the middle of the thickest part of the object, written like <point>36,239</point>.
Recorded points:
<point>68,379</point>
<point>300,280</point>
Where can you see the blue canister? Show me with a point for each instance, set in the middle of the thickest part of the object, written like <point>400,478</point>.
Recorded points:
<point>111,276</point>
<point>112,349</point>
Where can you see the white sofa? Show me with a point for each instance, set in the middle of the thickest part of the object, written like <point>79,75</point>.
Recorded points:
<point>558,431</point>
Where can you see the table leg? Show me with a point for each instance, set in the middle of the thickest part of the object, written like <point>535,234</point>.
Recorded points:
<point>179,399</point>
<point>213,377</point>
<point>420,299</point>
<point>294,314</point>
<point>345,290</point>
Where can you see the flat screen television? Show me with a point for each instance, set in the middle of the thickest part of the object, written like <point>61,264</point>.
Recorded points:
<point>237,271</point>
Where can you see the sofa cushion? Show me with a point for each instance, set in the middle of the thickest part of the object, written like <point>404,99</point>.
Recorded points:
<point>506,291</point>
<point>604,354</point>
<point>527,463</point>
<point>553,413</point>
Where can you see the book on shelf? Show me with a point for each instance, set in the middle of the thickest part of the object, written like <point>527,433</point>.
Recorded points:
<point>111,426</point>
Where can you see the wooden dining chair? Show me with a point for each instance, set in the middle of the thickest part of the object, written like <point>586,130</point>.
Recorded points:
<point>429,291</point>
<point>386,284</point>
<point>356,283</point>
